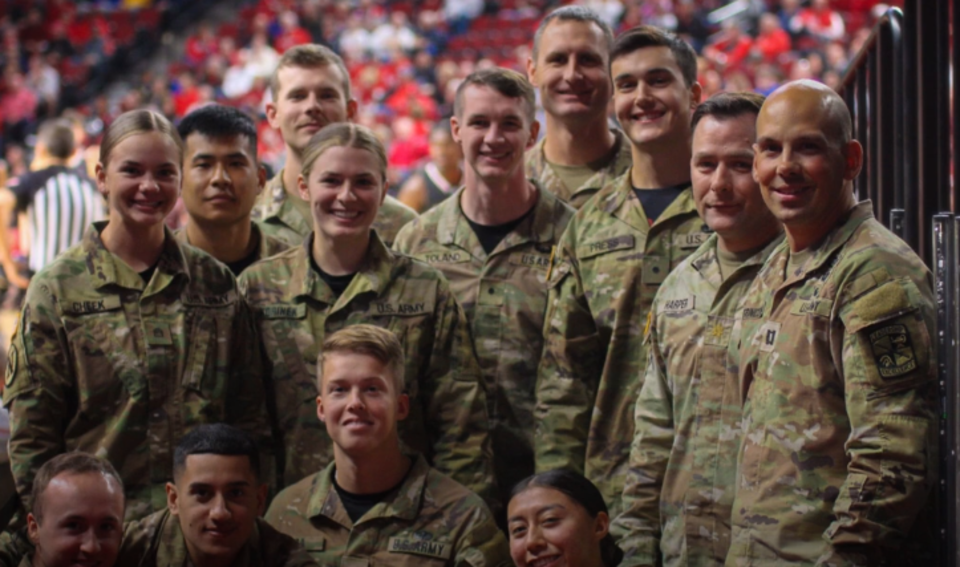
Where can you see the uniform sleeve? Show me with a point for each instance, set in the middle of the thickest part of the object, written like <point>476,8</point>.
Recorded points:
<point>455,406</point>
<point>483,544</point>
<point>14,546</point>
<point>890,386</point>
<point>637,529</point>
<point>249,404</point>
<point>39,384</point>
<point>568,374</point>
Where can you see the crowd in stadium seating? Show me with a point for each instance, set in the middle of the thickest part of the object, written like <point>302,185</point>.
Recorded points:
<point>405,58</point>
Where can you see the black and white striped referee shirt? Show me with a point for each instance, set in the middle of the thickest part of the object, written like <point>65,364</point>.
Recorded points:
<point>60,204</point>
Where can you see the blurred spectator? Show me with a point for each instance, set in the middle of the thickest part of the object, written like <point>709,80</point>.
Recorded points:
<point>18,107</point>
<point>290,32</point>
<point>692,24</point>
<point>460,13</point>
<point>772,42</point>
<point>200,46</point>
<point>818,21</point>
<point>187,94</point>
<point>262,58</point>
<point>608,10</point>
<point>44,81</point>
<point>730,47</point>
<point>392,34</point>
<point>312,20</point>
<point>354,40</point>
<point>239,77</point>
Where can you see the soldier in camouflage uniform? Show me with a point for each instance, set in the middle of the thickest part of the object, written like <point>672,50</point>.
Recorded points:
<point>310,89</point>
<point>579,153</point>
<point>374,504</point>
<point>299,301</point>
<point>837,363</point>
<point>216,488</point>
<point>493,242</point>
<point>683,462</point>
<point>121,364</point>
<point>221,181</point>
<point>614,255</point>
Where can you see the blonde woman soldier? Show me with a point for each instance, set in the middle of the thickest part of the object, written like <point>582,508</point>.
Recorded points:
<point>129,340</point>
<point>343,274</point>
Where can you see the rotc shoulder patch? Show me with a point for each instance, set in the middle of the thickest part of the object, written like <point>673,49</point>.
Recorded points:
<point>11,370</point>
<point>892,351</point>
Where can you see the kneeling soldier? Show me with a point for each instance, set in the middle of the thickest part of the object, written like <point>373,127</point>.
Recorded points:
<point>373,503</point>
<point>213,509</point>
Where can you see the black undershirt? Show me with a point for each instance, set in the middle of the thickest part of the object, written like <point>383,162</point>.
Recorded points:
<point>338,284</point>
<point>357,505</point>
<point>243,263</point>
<point>491,236</point>
<point>655,201</point>
<point>148,273</point>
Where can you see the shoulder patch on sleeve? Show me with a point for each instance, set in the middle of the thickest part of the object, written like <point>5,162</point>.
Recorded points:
<point>892,351</point>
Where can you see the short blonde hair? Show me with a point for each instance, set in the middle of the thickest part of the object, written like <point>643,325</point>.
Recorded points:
<point>309,56</point>
<point>368,340</point>
<point>344,135</point>
<point>135,122</point>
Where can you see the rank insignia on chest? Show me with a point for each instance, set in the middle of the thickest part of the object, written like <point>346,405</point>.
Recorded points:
<point>768,336</point>
<point>892,351</point>
<point>717,331</point>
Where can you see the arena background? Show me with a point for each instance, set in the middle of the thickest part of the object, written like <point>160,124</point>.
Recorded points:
<point>893,62</point>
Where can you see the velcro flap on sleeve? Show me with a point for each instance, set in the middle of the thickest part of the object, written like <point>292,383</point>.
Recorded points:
<point>887,301</point>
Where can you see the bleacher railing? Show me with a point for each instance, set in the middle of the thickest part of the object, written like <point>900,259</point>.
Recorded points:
<point>899,91</point>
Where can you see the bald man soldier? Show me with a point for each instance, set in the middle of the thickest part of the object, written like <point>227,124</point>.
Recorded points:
<point>837,367</point>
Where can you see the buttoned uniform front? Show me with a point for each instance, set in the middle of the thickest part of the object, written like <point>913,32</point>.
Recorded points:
<point>157,541</point>
<point>429,521</point>
<point>611,264</point>
<point>280,217</point>
<point>296,309</point>
<point>266,245</point>
<point>838,378</point>
<point>110,365</point>
<point>537,168</point>
<point>683,461</point>
<point>504,295</point>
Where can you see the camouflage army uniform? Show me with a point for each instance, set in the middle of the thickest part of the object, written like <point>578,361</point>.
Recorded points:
<point>121,369</point>
<point>430,521</point>
<point>281,217</point>
<point>16,550</point>
<point>268,245</point>
<point>537,168</point>
<point>296,309</point>
<point>612,262</point>
<point>505,296</point>
<point>683,462</point>
<point>838,375</point>
<point>157,541</point>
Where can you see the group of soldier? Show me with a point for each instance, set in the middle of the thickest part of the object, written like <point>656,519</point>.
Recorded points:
<point>691,310</point>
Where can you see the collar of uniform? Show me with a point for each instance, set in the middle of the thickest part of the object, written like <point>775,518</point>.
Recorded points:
<point>277,206</point>
<point>373,274</point>
<point>536,165</point>
<point>454,230</point>
<point>108,270</point>
<point>172,547</point>
<point>620,200</point>
<point>704,259</point>
<point>837,237</point>
<point>405,504</point>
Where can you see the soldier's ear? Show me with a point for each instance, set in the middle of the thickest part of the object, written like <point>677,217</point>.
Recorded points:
<point>173,503</point>
<point>403,407</point>
<point>602,525</point>
<point>321,414</point>
<point>33,529</point>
